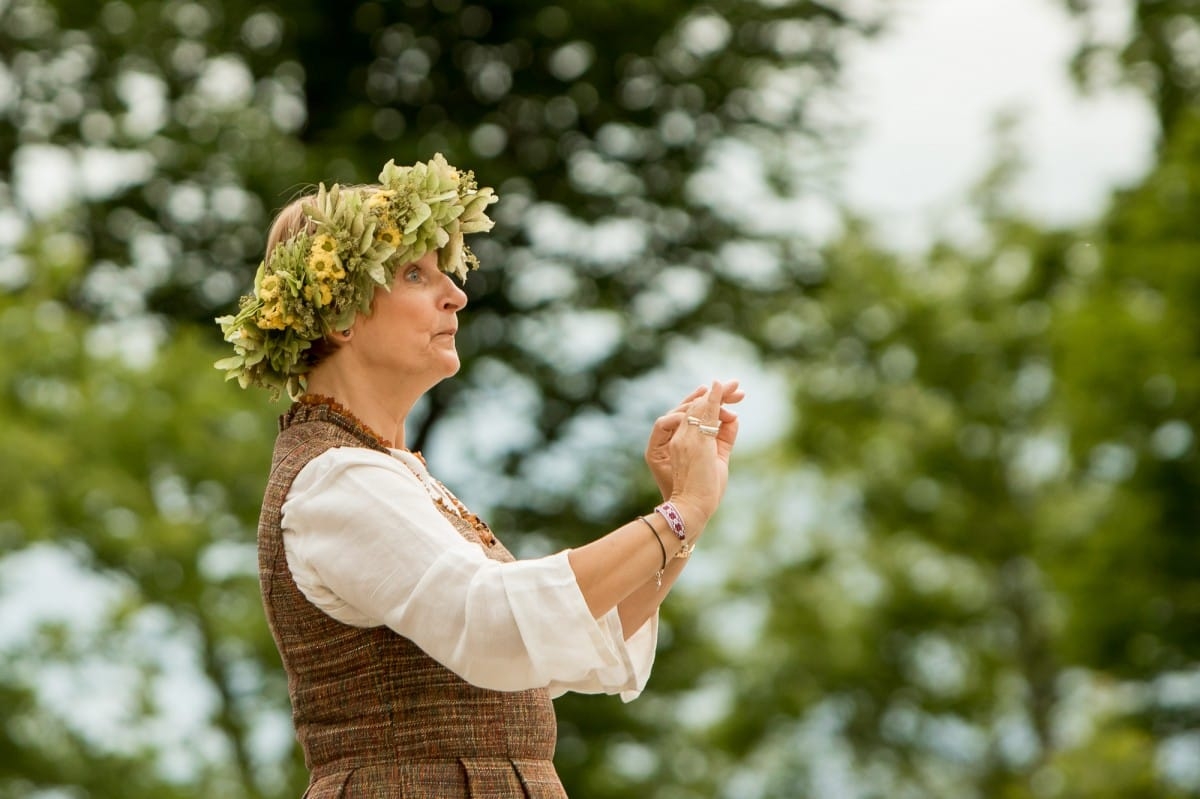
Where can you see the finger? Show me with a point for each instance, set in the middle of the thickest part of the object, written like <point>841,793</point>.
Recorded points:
<point>686,420</point>
<point>727,436</point>
<point>727,433</point>
<point>731,391</point>
<point>706,406</point>
<point>666,424</point>
<point>705,410</point>
<point>711,402</point>
<point>670,419</point>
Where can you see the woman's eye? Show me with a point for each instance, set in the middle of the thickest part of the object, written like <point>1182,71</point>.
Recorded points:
<point>412,275</point>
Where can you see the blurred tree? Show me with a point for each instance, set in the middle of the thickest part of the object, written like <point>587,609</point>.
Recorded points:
<point>156,677</point>
<point>1136,421</point>
<point>1151,44</point>
<point>1129,349</point>
<point>921,621</point>
<point>983,581</point>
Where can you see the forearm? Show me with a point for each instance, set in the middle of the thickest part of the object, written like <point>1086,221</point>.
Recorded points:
<point>688,454</point>
<point>640,606</point>
<point>619,569</point>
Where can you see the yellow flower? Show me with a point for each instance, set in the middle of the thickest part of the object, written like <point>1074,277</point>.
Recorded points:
<point>324,243</point>
<point>271,318</point>
<point>325,273</point>
<point>270,288</point>
<point>389,235</point>
<point>326,295</point>
<point>321,262</point>
<point>379,200</point>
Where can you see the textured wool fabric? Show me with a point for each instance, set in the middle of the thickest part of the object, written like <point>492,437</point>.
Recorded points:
<point>376,716</point>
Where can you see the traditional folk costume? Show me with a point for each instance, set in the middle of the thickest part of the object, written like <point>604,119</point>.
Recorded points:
<point>421,658</point>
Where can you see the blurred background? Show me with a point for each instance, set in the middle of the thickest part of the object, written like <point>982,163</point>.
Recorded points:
<point>951,247</point>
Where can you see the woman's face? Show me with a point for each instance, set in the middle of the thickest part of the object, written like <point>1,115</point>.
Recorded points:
<point>410,333</point>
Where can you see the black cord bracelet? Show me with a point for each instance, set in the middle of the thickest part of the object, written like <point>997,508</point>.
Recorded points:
<point>658,575</point>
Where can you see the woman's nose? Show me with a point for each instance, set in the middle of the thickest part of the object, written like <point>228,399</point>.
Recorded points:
<point>456,298</point>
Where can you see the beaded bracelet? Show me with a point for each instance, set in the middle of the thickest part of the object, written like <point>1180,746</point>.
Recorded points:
<point>674,519</point>
<point>658,575</point>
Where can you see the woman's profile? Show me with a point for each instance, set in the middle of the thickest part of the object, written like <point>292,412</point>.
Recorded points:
<point>421,657</point>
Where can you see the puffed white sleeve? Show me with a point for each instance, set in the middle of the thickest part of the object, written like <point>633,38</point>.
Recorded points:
<point>366,544</point>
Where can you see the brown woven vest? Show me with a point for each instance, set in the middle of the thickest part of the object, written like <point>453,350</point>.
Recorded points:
<point>376,716</point>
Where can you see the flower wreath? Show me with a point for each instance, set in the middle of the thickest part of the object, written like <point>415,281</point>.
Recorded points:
<point>317,281</point>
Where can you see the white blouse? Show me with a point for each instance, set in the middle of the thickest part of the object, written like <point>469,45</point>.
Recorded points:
<point>366,544</point>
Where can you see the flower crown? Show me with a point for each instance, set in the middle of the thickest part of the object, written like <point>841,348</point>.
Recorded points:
<point>318,280</point>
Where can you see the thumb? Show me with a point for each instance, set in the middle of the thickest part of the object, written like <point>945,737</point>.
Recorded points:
<point>666,425</point>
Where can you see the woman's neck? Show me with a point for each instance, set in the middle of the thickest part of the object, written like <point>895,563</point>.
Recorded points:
<point>382,409</point>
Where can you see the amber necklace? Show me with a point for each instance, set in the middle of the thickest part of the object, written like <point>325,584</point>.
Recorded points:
<point>448,503</point>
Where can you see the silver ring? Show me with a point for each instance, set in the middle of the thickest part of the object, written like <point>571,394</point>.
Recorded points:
<point>694,420</point>
<point>710,429</point>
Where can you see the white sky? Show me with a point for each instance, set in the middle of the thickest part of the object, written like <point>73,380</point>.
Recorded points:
<point>928,92</point>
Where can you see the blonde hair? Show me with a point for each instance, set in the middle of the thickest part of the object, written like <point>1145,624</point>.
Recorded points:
<point>290,222</point>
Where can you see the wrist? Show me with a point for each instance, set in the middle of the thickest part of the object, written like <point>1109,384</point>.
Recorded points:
<point>679,539</point>
<point>692,515</point>
<point>664,489</point>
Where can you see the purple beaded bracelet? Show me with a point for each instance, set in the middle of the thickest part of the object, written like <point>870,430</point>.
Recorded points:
<point>674,519</point>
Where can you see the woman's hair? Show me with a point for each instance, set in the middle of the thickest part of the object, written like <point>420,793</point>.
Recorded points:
<point>290,221</point>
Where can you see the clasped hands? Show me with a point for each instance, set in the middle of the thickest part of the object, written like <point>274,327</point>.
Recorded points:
<point>690,467</point>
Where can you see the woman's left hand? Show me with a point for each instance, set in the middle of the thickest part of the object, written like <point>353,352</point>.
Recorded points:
<point>658,457</point>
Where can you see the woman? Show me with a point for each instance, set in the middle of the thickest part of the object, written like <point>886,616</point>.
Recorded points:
<point>421,658</point>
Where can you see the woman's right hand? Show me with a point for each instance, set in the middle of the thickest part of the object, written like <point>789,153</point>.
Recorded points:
<point>658,447</point>
<point>700,462</point>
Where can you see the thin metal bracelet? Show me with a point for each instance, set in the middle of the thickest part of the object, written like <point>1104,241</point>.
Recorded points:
<point>658,575</point>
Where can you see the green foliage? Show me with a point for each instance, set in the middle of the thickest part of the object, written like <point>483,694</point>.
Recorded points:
<point>1135,419</point>
<point>996,590</point>
<point>118,466</point>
